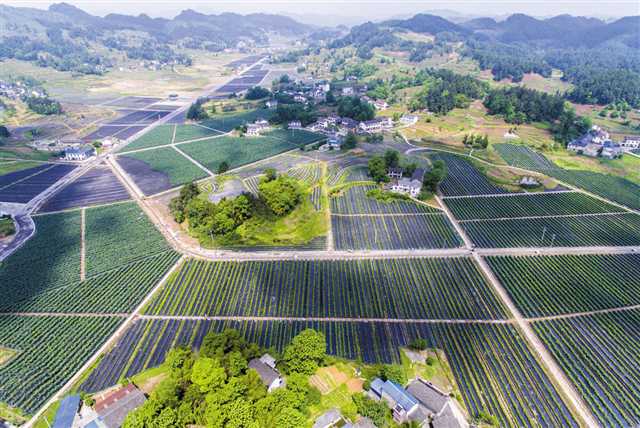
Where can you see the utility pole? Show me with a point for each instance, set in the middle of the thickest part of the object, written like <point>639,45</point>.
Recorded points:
<point>544,230</point>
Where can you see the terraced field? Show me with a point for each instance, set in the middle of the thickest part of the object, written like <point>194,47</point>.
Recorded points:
<point>610,187</point>
<point>601,230</point>
<point>491,363</point>
<point>529,205</point>
<point>464,179</point>
<point>51,350</point>
<point>600,354</point>
<point>404,288</point>
<point>553,285</point>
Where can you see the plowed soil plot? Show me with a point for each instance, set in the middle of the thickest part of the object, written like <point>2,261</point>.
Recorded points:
<point>25,190</point>
<point>12,177</point>
<point>139,117</point>
<point>133,102</point>
<point>244,61</point>
<point>493,367</point>
<point>98,186</point>
<point>148,180</point>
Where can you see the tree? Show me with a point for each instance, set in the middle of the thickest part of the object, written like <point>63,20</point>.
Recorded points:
<point>290,418</point>
<point>178,205</point>
<point>394,373</point>
<point>4,132</point>
<point>350,141</point>
<point>281,195</point>
<point>167,392</point>
<point>435,175</point>
<point>235,363</point>
<point>207,374</point>
<point>418,344</point>
<point>257,92</point>
<point>377,411</point>
<point>223,167</point>
<point>378,169</point>
<point>391,158</point>
<point>196,112</point>
<point>306,352</point>
<point>270,174</point>
<point>355,108</point>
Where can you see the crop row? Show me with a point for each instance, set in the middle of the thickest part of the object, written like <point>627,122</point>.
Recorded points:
<point>600,354</point>
<point>523,157</point>
<point>394,232</point>
<point>119,234</point>
<point>316,197</point>
<point>528,205</point>
<point>116,291</point>
<point>493,367</point>
<point>553,285</point>
<point>49,351</point>
<point>310,174</point>
<point>354,200</point>
<point>403,288</point>
<point>50,259</point>
<point>464,179</point>
<point>600,230</point>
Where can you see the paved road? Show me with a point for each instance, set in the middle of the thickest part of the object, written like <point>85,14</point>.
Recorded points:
<point>25,228</point>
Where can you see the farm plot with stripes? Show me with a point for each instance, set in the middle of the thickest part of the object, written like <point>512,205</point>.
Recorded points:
<point>49,351</point>
<point>361,222</point>
<point>491,362</point>
<point>21,189</point>
<point>544,286</point>
<point>438,288</point>
<point>600,354</point>
<point>463,178</point>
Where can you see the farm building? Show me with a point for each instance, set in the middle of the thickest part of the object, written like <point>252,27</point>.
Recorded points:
<point>329,419</point>
<point>266,368</point>
<point>409,119</point>
<point>114,407</point>
<point>630,143</point>
<point>380,105</point>
<point>296,124</point>
<point>404,405</point>
<point>256,128</point>
<point>437,405</point>
<point>376,125</point>
<point>411,186</point>
<point>79,153</point>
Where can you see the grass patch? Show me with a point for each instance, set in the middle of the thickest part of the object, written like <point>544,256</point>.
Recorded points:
<point>179,169</point>
<point>15,416</point>
<point>13,166</point>
<point>7,228</point>
<point>6,354</point>
<point>626,167</point>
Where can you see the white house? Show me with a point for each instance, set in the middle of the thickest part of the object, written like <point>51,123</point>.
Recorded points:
<point>410,186</point>
<point>376,125</point>
<point>295,124</point>
<point>79,153</point>
<point>256,128</point>
<point>409,119</point>
<point>630,143</point>
<point>347,91</point>
<point>380,104</point>
<point>272,103</point>
<point>611,150</point>
<point>266,368</point>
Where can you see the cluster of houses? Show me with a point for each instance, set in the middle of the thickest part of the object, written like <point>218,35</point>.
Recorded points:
<point>420,402</point>
<point>71,149</point>
<point>19,90</point>
<point>598,143</point>
<point>406,185</point>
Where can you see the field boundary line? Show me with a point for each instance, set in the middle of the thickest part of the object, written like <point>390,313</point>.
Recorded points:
<point>66,314</point>
<point>388,214</point>
<point>510,195</point>
<point>583,314</point>
<point>533,217</point>
<point>83,248</point>
<point>110,342</point>
<point>193,161</point>
<point>324,319</point>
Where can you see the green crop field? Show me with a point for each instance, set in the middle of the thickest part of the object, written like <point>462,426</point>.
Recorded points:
<point>295,136</point>
<point>119,234</point>
<point>529,205</point>
<point>354,200</point>
<point>236,151</point>
<point>406,288</point>
<point>193,132</point>
<point>159,136</point>
<point>600,230</point>
<point>600,354</point>
<point>169,161</point>
<point>50,259</point>
<point>554,285</point>
<point>51,350</point>
<point>228,122</point>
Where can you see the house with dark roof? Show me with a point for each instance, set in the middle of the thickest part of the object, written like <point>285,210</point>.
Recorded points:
<point>441,410</point>
<point>266,368</point>
<point>405,406</point>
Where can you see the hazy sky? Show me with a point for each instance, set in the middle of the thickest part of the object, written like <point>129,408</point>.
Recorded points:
<point>353,10</point>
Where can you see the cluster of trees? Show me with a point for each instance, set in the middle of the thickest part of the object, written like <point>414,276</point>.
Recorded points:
<point>215,388</point>
<point>355,108</point>
<point>444,90</point>
<point>196,110</point>
<point>476,141</point>
<point>598,86</point>
<point>360,70</point>
<point>281,193</point>
<point>507,61</point>
<point>519,105</point>
<point>257,92</point>
<point>43,105</point>
<point>378,166</point>
<point>286,113</point>
<point>434,176</point>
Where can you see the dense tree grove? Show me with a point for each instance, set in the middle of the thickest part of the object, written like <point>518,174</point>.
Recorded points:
<point>196,111</point>
<point>355,108</point>
<point>43,105</point>
<point>520,105</point>
<point>215,387</point>
<point>257,92</point>
<point>444,90</point>
<point>286,113</point>
<point>507,61</point>
<point>596,86</point>
<point>282,194</point>
<point>434,176</point>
